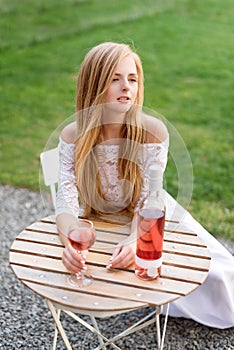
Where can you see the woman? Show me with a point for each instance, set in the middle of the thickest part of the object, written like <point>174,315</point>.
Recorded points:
<point>109,122</point>
<point>104,159</point>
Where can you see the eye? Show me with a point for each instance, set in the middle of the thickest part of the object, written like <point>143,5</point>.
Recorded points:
<point>115,79</point>
<point>133,78</point>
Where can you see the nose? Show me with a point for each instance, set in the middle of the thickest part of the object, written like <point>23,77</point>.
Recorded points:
<point>125,85</point>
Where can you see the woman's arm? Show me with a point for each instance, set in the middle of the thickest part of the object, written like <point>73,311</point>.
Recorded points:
<point>67,205</point>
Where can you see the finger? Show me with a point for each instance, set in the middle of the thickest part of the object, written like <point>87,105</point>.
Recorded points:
<point>84,254</point>
<point>73,262</point>
<point>113,257</point>
<point>123,259</point>
<point>75,254</point>
<point>70,266</point>
<point>116,252</point>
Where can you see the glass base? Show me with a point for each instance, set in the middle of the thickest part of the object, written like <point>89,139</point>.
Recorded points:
<point>81,281</point>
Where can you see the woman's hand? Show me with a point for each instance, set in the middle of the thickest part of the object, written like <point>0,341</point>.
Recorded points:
<point>72,259</point>
<point>123,256</point>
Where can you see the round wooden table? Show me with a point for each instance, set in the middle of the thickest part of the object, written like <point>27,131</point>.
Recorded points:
<point>35,258</point>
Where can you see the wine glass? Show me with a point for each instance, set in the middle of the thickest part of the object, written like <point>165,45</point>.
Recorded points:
<point>81,234</point>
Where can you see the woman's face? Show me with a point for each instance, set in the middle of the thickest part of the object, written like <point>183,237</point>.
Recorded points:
<point>122,92</point>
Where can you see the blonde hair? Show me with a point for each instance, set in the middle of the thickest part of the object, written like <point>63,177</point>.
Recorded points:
<point>94,79</point>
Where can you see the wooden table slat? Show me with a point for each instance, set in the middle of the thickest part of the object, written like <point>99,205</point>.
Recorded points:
<point>183,249</point>
<point>38,248</point>
<point>168,271</point>
<point>102,238</point>
<point>51,219</point>
<point>43,227</point>
<point>53,239</point>
<point>101,235</point>
<point>179,228</point>
<point>129,278</point>
<point>48,238</point>
<point>94,257</point>
<point>34,261</point>
<point>177,237</point>
<point>98,287</point>
<point>120,229</point>
<point>186,261</point>
<point>115,276</point>
<point>183,274</point>
<point>82,301</point>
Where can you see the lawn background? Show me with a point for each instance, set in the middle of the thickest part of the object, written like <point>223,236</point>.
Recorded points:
<point>187,52</point>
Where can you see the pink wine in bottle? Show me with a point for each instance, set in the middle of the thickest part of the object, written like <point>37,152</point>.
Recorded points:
<point>149,244</point>
<point>151,220</point>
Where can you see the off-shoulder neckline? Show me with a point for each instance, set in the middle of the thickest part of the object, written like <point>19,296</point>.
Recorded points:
<point>116,146</point>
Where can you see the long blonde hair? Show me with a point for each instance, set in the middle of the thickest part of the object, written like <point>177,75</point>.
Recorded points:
<point>94,79</point>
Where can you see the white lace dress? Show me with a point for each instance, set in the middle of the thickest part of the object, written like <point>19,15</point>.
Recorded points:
<point>107,155</point>
<point>212,303</point>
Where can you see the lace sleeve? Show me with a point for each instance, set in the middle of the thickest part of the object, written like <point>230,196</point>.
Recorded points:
<point>67,194</point>
<point>152,152</point>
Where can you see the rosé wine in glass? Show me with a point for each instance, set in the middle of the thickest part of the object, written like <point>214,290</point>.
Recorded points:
<point>81,235</point>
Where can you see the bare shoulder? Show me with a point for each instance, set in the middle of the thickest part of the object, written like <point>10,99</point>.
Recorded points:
<point>68,134</point>
<point>156,129</point>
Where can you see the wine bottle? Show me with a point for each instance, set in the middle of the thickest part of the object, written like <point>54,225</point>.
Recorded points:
<point>150,230</point>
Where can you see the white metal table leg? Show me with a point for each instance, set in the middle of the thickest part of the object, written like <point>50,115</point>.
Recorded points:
<point>138,325</point>
<point>164,327</point>
<point>135,327</point>
<point>92,329</point>
<point>158,329</point>
<point>96,327</point>
<point>59,325</point>
<point>56,331</point>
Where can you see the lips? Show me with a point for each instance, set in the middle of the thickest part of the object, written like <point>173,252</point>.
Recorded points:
<point>123,99</point>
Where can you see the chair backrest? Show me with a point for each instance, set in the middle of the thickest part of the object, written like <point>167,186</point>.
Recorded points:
<point>50,167</point>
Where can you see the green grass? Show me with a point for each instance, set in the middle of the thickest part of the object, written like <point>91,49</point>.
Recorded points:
<point>187,51</point>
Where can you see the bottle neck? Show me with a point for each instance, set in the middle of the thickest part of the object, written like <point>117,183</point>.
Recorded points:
<point>155,186</point>
<point>156,192</point>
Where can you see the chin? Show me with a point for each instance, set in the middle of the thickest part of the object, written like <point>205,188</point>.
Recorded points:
<point>118,107</point>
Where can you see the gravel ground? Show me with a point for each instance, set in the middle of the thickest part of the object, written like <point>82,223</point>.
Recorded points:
<point>26,323</point>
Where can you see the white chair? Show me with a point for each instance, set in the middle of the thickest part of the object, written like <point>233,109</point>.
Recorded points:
<point>50,168</point>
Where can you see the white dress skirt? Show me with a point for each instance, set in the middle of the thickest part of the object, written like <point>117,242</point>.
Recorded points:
<point>212,303</point>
